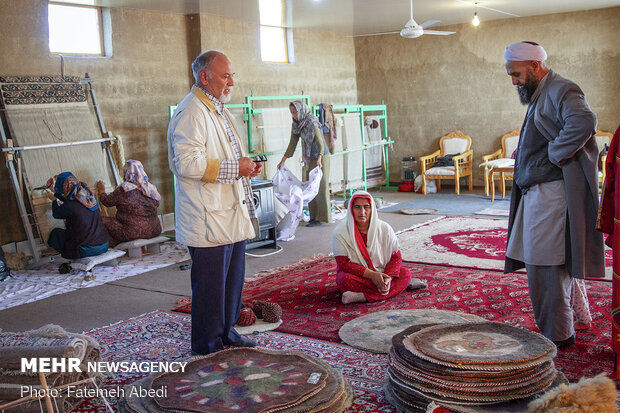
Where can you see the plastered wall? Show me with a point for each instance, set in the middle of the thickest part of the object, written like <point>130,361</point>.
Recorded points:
<point>150,70</point>
<point>433,85</point>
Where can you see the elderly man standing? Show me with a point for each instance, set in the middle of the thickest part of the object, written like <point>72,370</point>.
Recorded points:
<point>214,211</point>
<point>554,203</point>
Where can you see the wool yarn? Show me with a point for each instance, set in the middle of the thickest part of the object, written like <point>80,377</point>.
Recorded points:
<point>258,308</point>
<point>246,317</point>
<point>272,312</point>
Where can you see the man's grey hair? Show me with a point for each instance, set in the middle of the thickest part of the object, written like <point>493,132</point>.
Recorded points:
<point>203,61</point>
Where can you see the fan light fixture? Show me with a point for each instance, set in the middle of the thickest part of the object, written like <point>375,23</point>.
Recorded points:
<point>476,20</point>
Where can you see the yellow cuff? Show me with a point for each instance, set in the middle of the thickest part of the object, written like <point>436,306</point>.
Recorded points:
<point>212,170</point>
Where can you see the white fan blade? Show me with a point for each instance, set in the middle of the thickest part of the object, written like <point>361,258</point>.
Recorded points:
<point>373,34</point>
<point>442,33</point>
<point>429,23</point>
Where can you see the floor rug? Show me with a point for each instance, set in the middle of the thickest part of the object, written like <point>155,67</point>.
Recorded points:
<point>164,336</point>
<point>374,331</point>
<point>311,304</point>
<point>468,242</point>
<point>447,203</point>
<point>27,286</point>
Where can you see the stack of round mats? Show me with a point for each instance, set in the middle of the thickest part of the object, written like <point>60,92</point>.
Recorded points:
<point>243,380</point>
<point>480,366</point>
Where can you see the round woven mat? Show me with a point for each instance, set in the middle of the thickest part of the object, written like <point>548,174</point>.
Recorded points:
<point>258,327</point>
<point>251,380</point>
<point>373,332</point>
<point>486,345</point>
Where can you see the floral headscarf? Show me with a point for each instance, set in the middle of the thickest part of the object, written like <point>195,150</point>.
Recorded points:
<point>305,126</point>
<point>135,178</point>
<point>68,188</point>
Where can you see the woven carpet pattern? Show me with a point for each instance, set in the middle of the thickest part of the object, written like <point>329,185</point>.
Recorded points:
<point>163,335</point>
<point>462,242</point>
<point>311,305</point>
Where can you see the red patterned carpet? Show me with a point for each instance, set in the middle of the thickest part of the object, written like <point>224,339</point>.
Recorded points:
<point>311,305</point>
<point>163,335</point>
<point>462,242</point>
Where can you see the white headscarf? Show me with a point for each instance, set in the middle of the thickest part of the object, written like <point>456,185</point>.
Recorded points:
<point>524,51</point>
<point>381,240</point>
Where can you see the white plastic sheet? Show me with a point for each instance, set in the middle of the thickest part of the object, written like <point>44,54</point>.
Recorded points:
<point>294,194</point>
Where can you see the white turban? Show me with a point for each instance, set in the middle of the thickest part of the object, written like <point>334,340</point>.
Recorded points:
<point>523,51</point>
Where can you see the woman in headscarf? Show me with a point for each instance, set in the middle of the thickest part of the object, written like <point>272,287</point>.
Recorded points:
<point>315,153</point>
<point>368,255</point>
<point>136,201</point>
<point>84,234</point>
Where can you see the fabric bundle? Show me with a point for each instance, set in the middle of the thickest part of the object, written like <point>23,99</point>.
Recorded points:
<point>294,194</point>
<point>483,366</point>
<point>255,381</point>
<point>48,341</point>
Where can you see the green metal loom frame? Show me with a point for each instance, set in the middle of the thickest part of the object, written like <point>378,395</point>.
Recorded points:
<point>249,110</point>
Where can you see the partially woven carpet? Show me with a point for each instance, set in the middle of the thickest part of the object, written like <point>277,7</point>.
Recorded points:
<point>311,305</point>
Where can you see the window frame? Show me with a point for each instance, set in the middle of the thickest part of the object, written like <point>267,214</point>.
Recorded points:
<point>286,36</point>
<point>99,11</point>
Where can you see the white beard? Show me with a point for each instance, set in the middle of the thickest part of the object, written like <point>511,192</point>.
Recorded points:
<point>225,98</point>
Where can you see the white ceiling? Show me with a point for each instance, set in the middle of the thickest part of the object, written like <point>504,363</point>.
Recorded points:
<point>355,17</point>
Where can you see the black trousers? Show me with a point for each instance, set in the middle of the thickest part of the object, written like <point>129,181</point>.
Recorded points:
<point>217,283</point>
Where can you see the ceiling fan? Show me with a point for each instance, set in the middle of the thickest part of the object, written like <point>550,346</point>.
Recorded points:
<point>413,29</point>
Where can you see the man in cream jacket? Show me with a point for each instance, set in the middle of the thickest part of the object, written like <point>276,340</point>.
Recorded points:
<point>214,211</point>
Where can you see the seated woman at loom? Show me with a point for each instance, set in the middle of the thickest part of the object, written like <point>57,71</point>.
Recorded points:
<point>136,201</point>
<point>368,256</point>
<point>84,234</point>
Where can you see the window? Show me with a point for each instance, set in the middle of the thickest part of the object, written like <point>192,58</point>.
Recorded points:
<point>75,29</point>
<point>275,38</point>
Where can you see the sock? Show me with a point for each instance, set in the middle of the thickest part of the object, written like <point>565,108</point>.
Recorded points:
<point>349,297</point>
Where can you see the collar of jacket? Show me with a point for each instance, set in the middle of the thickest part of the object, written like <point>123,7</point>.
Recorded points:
<point>200,94</point>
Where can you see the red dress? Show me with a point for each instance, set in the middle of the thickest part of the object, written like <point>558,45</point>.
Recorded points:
<point>350,277</point>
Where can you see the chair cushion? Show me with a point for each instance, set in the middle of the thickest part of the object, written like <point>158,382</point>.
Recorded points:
<point>441,170</point>
<point>500,163</point>
<point>453,146</point>
<point>511,144</point>
<point>87,263</point>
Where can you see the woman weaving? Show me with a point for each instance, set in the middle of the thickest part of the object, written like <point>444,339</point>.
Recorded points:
<point>367,253</point>
<point>84,234</point>
<point>136,201</point>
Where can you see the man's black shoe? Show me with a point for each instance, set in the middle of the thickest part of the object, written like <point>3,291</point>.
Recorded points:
<point>313,223</point>
<point>244,342</point>
<point>562,344</point>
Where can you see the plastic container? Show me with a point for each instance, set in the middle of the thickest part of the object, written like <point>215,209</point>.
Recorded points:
<point>409,169</point>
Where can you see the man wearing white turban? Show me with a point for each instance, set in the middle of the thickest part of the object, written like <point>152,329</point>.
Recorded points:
<point>554,202</point>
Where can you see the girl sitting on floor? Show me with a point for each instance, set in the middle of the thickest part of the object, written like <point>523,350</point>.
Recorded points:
<point>368,256</point>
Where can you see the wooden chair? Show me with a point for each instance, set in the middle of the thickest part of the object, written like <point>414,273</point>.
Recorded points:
<point>501,158</point>
<point>602,138</point>
<point>455,143</point>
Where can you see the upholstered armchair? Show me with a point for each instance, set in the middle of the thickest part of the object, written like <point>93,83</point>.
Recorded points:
<point>457,144</point>
<point>501,158</point>
<point>602,139</point>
